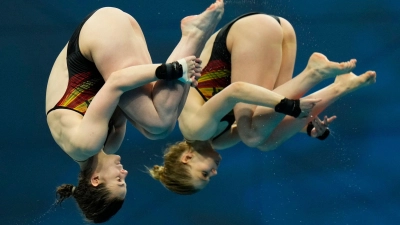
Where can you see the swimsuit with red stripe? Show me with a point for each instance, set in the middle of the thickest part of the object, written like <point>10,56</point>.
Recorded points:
<point>84,78</point>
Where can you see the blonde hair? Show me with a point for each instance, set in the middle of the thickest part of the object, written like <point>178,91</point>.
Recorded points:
<point>174,174</point>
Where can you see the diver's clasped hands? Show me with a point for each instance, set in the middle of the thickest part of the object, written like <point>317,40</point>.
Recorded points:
<point>186,70</point>
<point>194,70</point>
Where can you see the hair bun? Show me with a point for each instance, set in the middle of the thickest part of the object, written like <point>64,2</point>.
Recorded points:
<point>157,171</point>
<point>64,191</point>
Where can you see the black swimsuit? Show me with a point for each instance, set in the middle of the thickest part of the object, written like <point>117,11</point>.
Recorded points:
<point>84,78</point>
<point>216,75</point>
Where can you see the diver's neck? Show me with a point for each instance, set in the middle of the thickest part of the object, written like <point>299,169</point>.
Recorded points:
<point>96,162</point>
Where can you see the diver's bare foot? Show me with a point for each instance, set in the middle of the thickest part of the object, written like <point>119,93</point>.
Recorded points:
<point>350,82</point>
<point>201,27</point>
<point>322,68</point>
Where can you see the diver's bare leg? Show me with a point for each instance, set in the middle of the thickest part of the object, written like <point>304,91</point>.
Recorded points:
<point>264,120</point>
<point>343,85</point>
<point>196,30</point>
<point>169,96</point>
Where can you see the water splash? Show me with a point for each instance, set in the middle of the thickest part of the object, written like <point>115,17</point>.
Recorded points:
<point>42,218</point>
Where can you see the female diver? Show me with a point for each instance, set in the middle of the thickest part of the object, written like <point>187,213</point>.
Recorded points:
<point>106,64</point>
<point>238,57</point>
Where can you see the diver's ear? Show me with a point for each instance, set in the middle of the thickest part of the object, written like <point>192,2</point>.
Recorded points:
<point>95,180</point>
<point>186,156</point>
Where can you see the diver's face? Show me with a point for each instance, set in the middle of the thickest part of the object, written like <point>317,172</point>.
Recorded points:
<point>113,174</point>
<point>203,166</point>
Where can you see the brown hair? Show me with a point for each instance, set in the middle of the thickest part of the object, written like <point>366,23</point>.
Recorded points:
<point>94,201</point>
<point>174,175</point>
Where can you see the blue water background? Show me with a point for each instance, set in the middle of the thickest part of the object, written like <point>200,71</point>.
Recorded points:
<point>351,178</point>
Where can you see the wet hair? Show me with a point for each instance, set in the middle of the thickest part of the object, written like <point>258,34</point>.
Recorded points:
<point>174,174</point>
<point>94,201</point>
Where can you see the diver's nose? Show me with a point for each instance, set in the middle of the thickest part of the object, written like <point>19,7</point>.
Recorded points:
<point>124,172</point>
<point>214,172</point>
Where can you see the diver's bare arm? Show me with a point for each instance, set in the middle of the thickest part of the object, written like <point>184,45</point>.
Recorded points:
<point>90,136</point>
<point>202,124</point>
<point>116,134</point>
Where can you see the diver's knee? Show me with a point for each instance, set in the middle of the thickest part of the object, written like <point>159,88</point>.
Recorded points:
<point>252,139</point>
<point>160,132</point>
<point>154,135</point>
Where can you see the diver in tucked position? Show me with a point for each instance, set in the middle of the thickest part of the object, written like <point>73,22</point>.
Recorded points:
<point>106,64</point>
<point>243,65</point>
